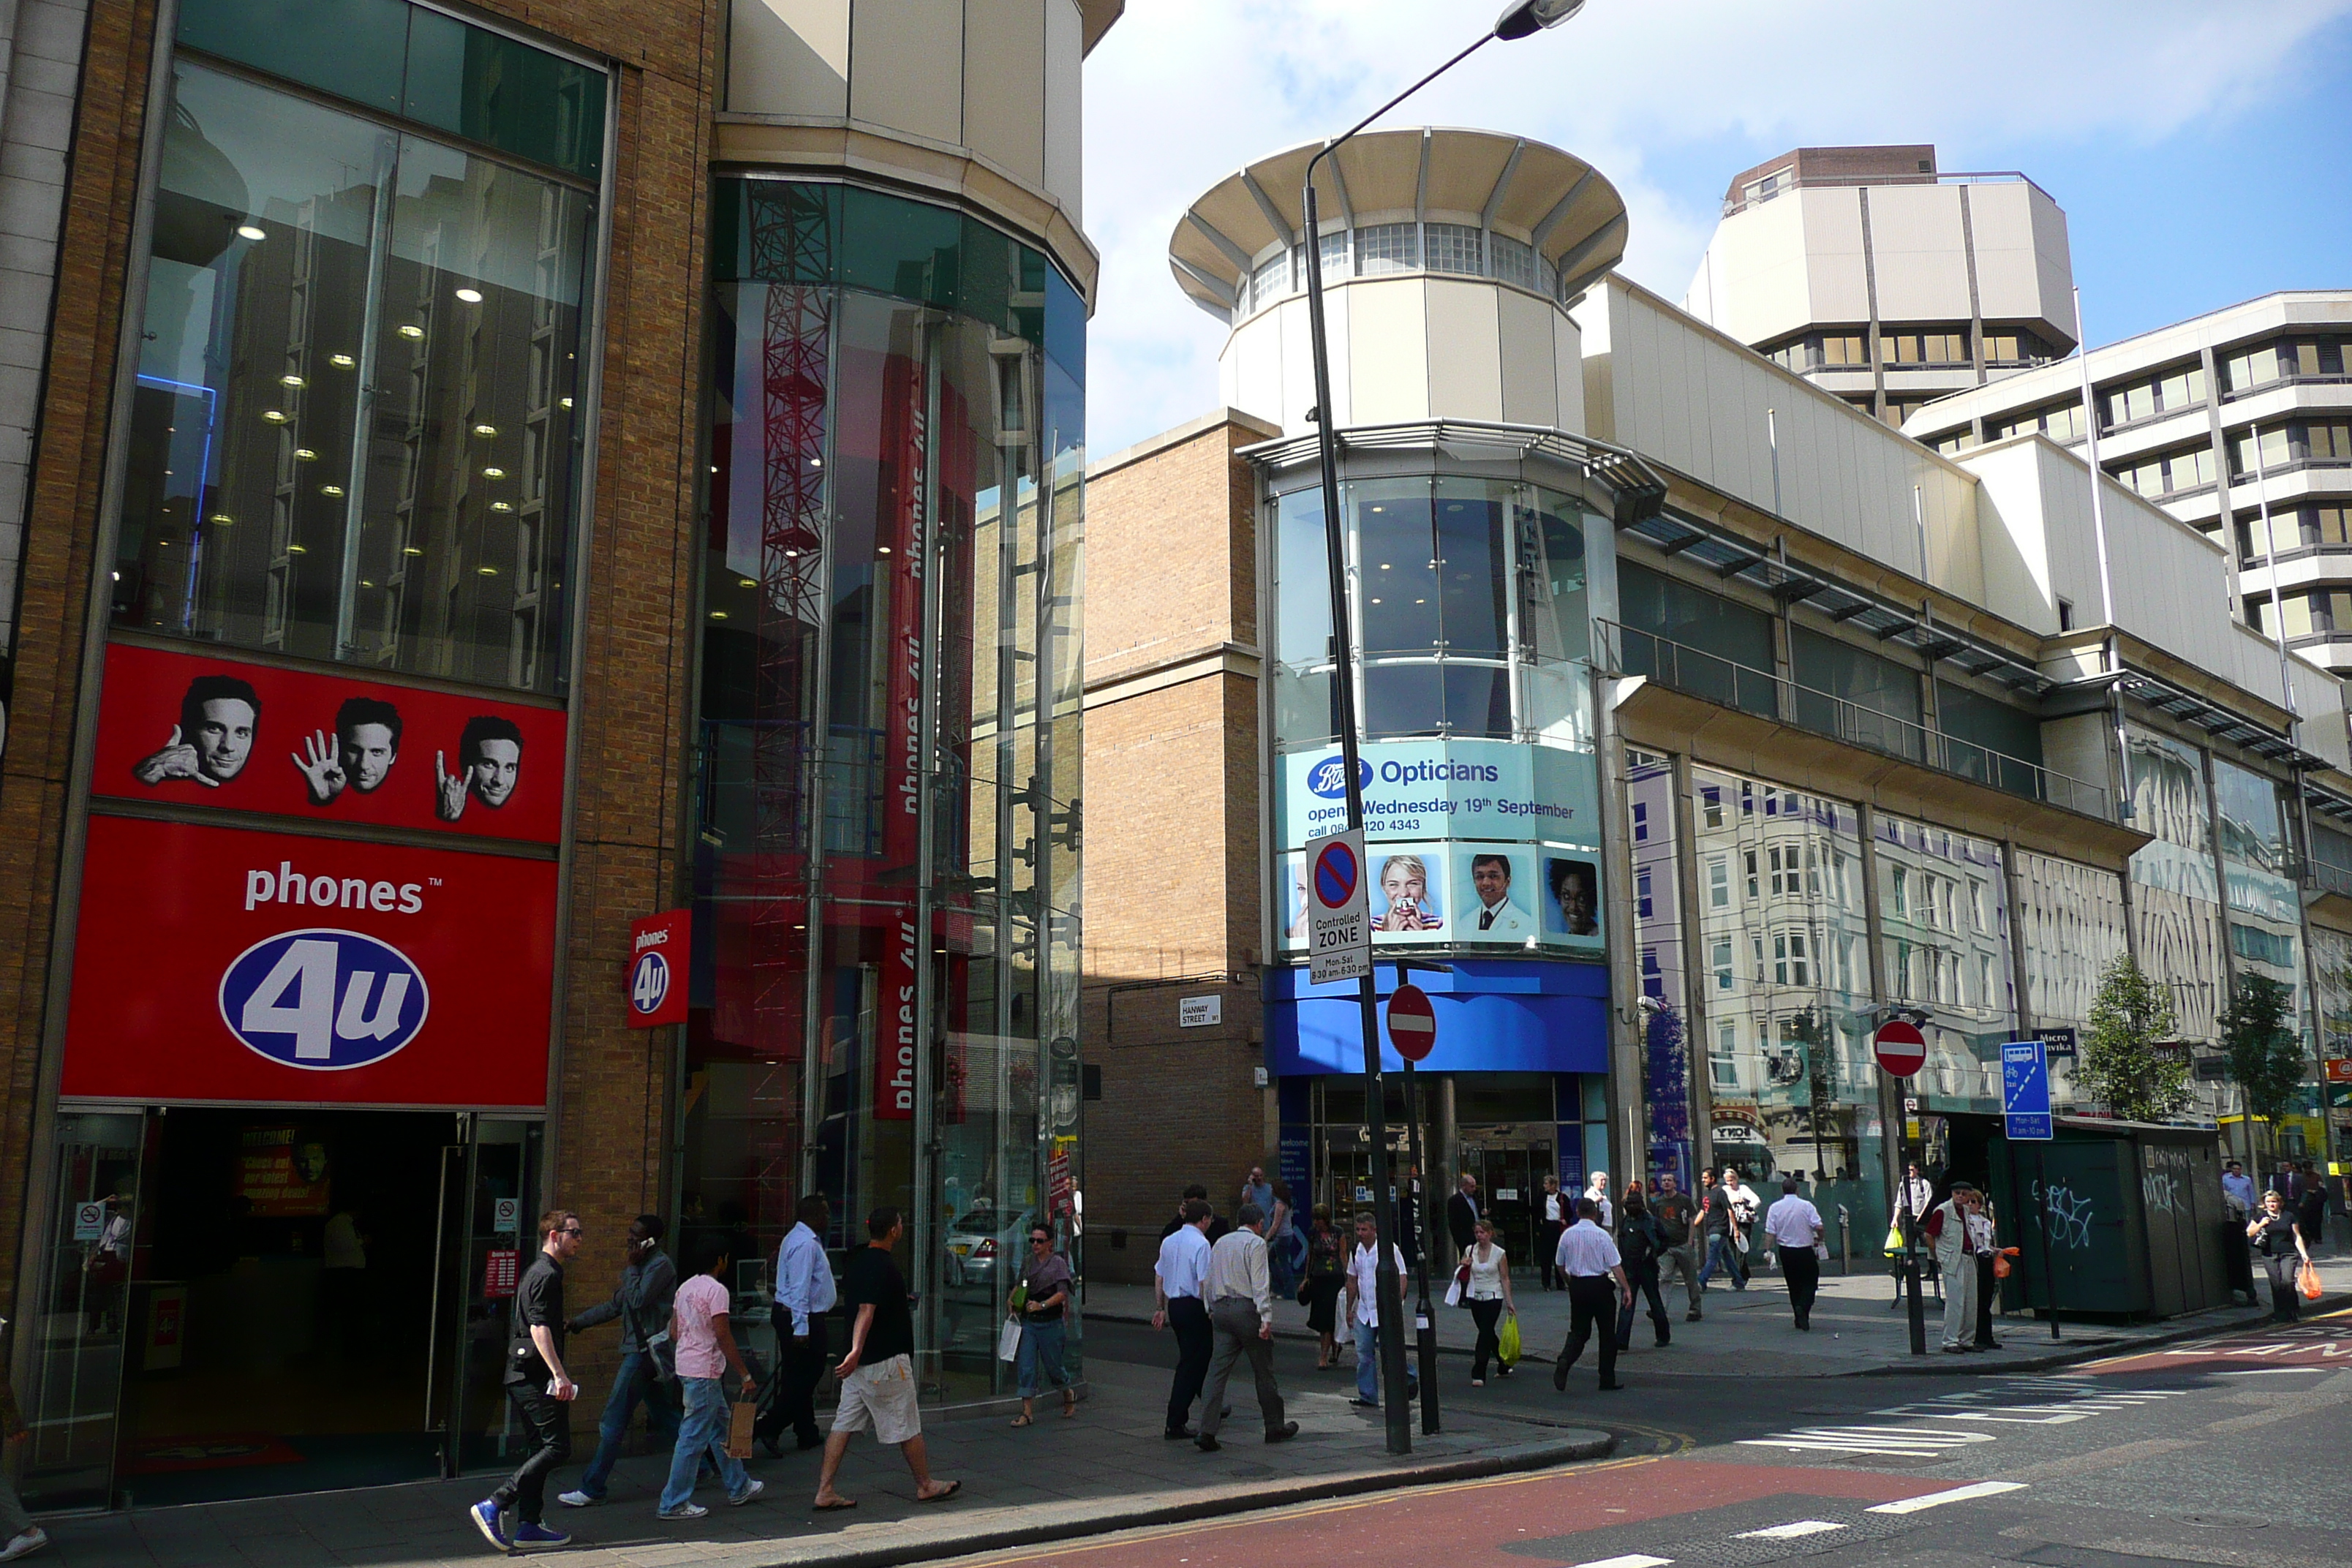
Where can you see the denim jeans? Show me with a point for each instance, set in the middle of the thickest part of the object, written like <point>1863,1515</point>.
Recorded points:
<point>703,1430</point>
<point>1040,1353</point>
<point>1720,1246</point>
<point>633,1383</point>
<point>1368,1362</point>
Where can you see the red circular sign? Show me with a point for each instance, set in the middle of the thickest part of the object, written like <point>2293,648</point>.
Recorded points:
<point>1902,1049</point>
<point>1412,1023</point>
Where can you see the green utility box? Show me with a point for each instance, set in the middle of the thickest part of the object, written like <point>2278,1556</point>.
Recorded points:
<point>2137,1227</point>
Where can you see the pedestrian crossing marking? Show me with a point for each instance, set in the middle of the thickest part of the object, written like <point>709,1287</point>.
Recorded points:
<point>1790,1531</point>
<point>1632,1560</point>
<point>1919,1441</point>
<point>1957,1494</point>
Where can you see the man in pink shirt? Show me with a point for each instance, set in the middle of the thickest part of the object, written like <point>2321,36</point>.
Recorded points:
<point>706,1349</point>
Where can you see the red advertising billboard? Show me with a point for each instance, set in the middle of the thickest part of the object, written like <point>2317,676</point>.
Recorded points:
<point>217,963</point>
<point>203,728</point>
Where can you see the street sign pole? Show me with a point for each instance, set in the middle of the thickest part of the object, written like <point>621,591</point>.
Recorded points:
<point>1902,1051</point>
<point>2025,1118</point>
<point>1412,1029</point>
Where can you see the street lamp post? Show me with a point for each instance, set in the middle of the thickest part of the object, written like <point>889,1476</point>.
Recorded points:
<point>1521,19</point>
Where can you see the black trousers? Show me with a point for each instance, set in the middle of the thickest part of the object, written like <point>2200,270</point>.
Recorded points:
<point>1195,1342</point>
<point>548,1423</point>
<point>1801,1266</point>
<point>1643,1277</point>
<point>1547,1266</point>
<point>800,1363</point>
<point>1591,1302</point>
<point>1487,1315</point>
<point>2286,1304</point>
<point>1987,1287</point>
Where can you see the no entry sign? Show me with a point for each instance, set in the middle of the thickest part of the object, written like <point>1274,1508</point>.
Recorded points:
<point>1412,1023</point>
<point>1901,1048</point>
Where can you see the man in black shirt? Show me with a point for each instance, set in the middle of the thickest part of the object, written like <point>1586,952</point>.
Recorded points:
<point>877,1376</point>
<point>539,1388</point>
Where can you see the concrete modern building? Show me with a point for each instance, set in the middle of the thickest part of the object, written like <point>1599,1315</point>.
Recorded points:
<point>663,422</point>
<point>1857,738</point>
<point>1874,277</point>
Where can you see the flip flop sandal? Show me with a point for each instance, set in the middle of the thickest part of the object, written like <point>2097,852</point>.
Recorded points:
<point>952,1488</point>
<point>1024,1421</point>
<point>837,1506</point>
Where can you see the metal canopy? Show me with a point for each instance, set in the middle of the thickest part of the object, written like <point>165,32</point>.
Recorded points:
<point>1738,560</point>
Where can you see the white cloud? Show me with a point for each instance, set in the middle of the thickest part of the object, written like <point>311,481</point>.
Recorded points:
<point>1182,92</point>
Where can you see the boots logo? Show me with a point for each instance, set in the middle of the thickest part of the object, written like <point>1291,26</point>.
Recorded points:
<point>325,1000</point>
<point>1328,778</point>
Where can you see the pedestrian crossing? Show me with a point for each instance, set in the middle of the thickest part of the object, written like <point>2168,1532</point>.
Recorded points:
<point>1959,1419</point>
<point>1802,1528</point>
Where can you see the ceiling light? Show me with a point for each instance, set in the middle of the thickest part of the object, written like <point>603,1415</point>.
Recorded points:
<point>221,516</point>
<point>304,455</point>
<point>488,571</point>
<point>471,296</point>
<point>563,402</point>
<point>717,615</point>
<point>297,550</point>
<point>410,550</point>
<point>251,231</point>
<point>275,415</point>
<point>494,473</point>
<point>413,331</point>
<point>486,429</point>
<point>341,362</point>
<point>289,380</point>
<point>501,506</point>
<point>330,489</point>
<point>745,582</point>
<point>885,550</point>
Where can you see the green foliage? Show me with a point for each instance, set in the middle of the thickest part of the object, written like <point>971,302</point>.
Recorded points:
<point>2264,1047</point>
<point>2120,1062</point>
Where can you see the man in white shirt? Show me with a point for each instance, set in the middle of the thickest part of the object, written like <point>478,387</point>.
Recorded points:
<point>804,1292</point>
<point>1177,1282</point>
<point>1590,1260</point>
<point>1795,1227</point>
<point>1913,1199</point>
<point>1496,916</point>
<point>1745,1209</point>
<point>1596,1192</point>
<point>1241,1312</point>
<point>1364,1308</point>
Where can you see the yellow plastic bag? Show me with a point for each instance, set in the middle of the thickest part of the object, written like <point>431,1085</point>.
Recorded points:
<point>1507,1340</point>
<point>1894,1238</point>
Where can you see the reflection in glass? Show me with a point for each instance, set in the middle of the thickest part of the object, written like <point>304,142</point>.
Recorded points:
<point>353,433</point>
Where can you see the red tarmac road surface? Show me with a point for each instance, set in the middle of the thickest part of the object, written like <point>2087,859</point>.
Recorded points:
<point>1467,1526</point>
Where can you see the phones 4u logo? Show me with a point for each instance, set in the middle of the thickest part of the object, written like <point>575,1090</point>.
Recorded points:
<point>323,1000</point>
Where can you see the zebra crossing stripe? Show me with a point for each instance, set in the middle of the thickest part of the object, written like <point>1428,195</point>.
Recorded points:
<point>1894,1440</point>
<point>1790,1531</point>
<point>1632,1560</point>
<point>1957,1494</point>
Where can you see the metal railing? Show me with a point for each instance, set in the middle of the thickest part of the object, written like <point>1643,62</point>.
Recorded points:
<point>1627,650</point>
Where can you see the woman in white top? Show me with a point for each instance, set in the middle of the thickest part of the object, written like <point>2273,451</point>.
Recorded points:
<point>1489,1297</point>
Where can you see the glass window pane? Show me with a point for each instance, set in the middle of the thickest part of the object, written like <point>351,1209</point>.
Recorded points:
<point>1403,699</point>
<point>351,49</point>
<point>1396,565</point>
<point>1555,622</point>
<point>1473,564</point>
<point>502,92</point>
<point>1478,701</point>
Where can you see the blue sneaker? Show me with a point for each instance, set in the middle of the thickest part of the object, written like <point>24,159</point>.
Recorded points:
<point>485,1515</point>
<point>529,1534</point>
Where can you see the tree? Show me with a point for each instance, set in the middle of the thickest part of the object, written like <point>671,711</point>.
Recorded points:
<point>2121,1063</point>
<point>2264,1048</point>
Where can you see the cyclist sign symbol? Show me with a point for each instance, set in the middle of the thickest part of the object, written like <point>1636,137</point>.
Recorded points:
<point>1338,928</point>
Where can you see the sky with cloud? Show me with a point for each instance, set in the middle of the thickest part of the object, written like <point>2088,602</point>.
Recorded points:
<point>2202,153</point>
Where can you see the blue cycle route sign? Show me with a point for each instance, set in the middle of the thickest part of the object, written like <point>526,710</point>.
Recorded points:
<point>2025,1090</point>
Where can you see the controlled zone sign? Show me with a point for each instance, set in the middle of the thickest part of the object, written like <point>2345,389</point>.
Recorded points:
<point>1901,1048</point>
<point>1339,931</point>
<point>1412,1023</point>
<point>2025,1091</point>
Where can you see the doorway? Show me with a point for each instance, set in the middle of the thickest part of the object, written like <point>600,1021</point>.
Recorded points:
<point>1510,1161</point>
<point>260,1302</point>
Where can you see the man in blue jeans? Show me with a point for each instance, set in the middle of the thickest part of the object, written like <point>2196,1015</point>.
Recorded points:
<point>1364,1308</point>
<point>1721,1225</point>
<point>643,1306</point>
<point>706,1352</point>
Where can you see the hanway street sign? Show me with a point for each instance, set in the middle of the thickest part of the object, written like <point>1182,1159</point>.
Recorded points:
<point>1902,1049</point>
<point>1339,931</point>
<point>1412,1023</point>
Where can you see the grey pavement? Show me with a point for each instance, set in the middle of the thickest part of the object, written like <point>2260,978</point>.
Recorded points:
<point>1855,1331</point>
<point>1107,1468</point>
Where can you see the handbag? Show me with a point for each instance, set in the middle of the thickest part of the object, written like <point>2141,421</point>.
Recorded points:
<point>2002,1266</point>
<point>1306,1292</point>
<point>662,1350</point>
<point>1461,1283</point>
<point>2306,1282</point>
<point>1507,1341</point>
<point>1008,1341</point>
<point>745,1415</point>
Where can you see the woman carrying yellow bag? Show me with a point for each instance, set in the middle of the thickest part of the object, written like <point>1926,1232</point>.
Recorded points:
<point>1487,1294</point>
<point>2279,1245</point>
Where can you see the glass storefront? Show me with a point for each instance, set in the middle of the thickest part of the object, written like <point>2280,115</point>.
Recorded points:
<point>2073,931</point>
<point>2176,894</point>
<point>886,796</point>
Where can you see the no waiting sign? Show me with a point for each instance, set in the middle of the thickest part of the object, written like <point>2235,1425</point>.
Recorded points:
<point>1339,931</point>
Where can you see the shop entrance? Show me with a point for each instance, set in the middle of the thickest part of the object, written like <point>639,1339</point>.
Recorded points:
<point>248,1302</point>
<point>1509,1162</point>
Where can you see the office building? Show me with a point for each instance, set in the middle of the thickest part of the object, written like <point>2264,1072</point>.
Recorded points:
<point>1874,277</point>
<point>501,476</point>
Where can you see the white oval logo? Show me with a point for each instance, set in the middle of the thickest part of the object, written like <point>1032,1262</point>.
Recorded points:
<point>323,1000</point>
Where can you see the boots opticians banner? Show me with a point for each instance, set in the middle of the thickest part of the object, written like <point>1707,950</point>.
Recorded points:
<point>213,963</point>
<point>198,729</point>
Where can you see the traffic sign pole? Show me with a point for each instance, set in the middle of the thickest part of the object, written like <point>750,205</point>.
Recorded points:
<point>1412,1029</point>
<point>1902,1051</point>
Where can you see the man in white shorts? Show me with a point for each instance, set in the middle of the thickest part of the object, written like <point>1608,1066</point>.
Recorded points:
<point>877,1376</point>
